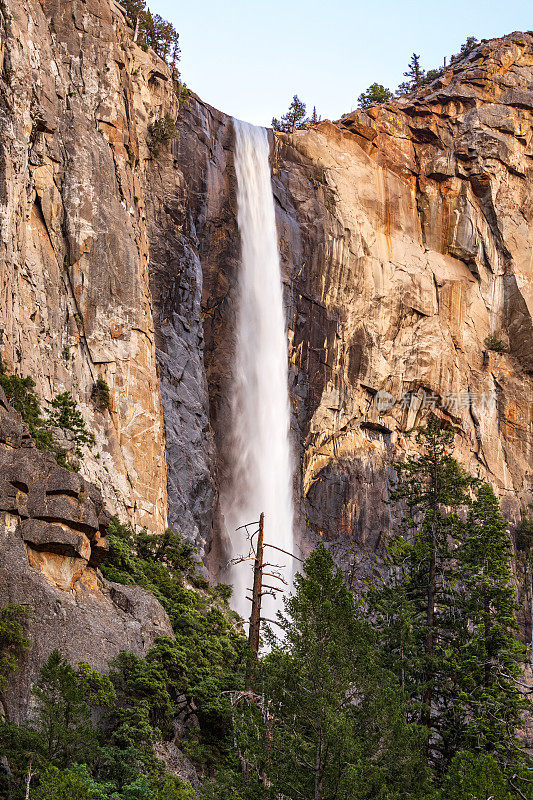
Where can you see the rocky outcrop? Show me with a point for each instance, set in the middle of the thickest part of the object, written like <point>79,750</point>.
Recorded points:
<point>52,525</point>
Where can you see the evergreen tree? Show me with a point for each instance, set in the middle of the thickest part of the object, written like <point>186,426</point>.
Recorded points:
<point>64,413</point>
<point>414,74</point>
<point>466,47</point>
<point>330,722</point>
<point>488,662</point>
<point>13,640</point>
<point>165,40</point>
<point>293,120</point>
<point>524,546</point>
<point>415,603</point>
<point>64,717</point>
<point>374,95</point>
<point>151,30</point>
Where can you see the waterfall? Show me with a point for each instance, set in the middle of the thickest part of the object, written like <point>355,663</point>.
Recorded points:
<point>261,465</point>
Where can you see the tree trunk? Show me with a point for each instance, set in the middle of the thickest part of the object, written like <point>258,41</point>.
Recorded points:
<point>318,767</point>
<point>430,623</point>
<point>530,566</point>
<point>486,633</point>
<point>255,616</point>
<point>29,776</point>
<point>430,612</point>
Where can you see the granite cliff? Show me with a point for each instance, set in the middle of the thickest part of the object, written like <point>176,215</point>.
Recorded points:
<point>406,233</point>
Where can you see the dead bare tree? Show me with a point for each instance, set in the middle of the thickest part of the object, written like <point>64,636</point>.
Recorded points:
<point>259,588</point>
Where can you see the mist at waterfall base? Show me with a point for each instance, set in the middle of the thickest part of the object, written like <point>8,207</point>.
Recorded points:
<point>261,464</point>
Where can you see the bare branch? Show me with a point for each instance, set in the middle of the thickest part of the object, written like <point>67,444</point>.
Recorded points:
<point>284,551</point>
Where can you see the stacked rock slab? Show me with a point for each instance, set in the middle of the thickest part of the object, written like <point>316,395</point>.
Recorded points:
<point>52,525</point>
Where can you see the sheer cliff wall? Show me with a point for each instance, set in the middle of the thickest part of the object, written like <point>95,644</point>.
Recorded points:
<point>74,254</point>
<point>406,238</point>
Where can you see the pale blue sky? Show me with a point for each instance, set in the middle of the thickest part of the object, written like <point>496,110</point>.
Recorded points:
<point>249,58</point>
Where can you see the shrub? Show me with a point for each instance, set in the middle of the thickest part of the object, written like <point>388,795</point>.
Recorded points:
<point>493,343</point>
<point>13,640</point>
<point>55,784</point>
<point>375,94</point>
<point>160,132</point>
<point>183,94</point>
<point>64,414</point>
<point>100,394</point>
<point>19,392</point>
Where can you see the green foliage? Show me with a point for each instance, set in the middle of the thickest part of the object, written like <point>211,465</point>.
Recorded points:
<point>374,95</point>
<point>294,119</point>
<point>100,395</point>
<point>65,752</point>
<point>160,132</point>
<point>182,93</point>
<point>432,75</point>
<point>207,656</point>
<point>20,393</point>
<point>13,640</point>
<point>475,775</point>
<point>415,604</point>
<point>417,77</point>
<point>64,715</point>
<point>495,344</point>
<point>466,48</point>
<point>55,784</point>
<point>445,611</point>
<point>414,74</point>
<point>524,534</point>
<point>64,414</point>
<point>328,721</point>
<point>154,31</point>
<point>488,656</point>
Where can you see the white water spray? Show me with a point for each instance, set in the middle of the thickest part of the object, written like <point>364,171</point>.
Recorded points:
<point>261,464</point>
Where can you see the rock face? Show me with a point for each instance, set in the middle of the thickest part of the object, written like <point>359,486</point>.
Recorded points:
<point>74,250</point>
<point>52,523</point>
<point>406,237</point>
<point>412,246</point>
<point>406,234</point>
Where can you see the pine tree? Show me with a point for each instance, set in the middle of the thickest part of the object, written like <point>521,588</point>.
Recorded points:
<point>488,662</point>
<point>374,95</point>
<point>415,604</point>
<point>13,640</point>
<point>64,718</point>
<point>293,120</point>
<point>414,74</point>
<point>331,721</point>
<point>524,546</point>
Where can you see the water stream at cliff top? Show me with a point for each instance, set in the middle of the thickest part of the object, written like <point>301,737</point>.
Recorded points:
<point>261,468</point>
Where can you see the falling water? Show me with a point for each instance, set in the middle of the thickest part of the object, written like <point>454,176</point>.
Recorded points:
<point>261,478</point>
